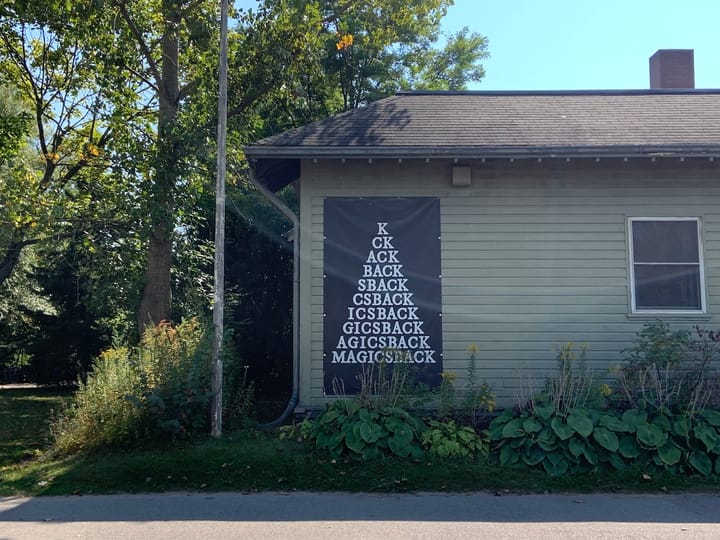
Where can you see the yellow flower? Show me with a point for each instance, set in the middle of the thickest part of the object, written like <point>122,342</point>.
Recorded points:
<point>605,390</point>
<point>472,349</point>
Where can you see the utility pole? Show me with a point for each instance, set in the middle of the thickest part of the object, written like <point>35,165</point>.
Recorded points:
<point>219,293</point>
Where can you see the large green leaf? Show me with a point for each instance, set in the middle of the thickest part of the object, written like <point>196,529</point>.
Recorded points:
<point>544,412</point>
<point>329,440</point>
<point>518,443</point>
<point>651,435</point>
<point>370,433</point>
<point>533,456</point>
<point>547,438</point>
<point>701,463</point>
<point>404,434</point>
<point>680,427</point>
<point>616,461</point>
<point>613,423</point>
<point>562,430</point>
<point>669,454</point>
<point>634,417</point>
<point>368,416</point>
<point>354,443</point>
<point>590,454</point>
<point>576,446</point>
<point>399,447</point>
<point>508,456</point>
<point>707,435</point>
<point>628,447</point>
<point>555,464</point>
<point>713,417</point>
<point>531,425</point>
<point>606,438</point>
<point>513,429</point>
<point>662,422</point>
<point>581,423</point>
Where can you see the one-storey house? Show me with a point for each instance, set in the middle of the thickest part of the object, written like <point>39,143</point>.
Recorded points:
<point>516,222</point>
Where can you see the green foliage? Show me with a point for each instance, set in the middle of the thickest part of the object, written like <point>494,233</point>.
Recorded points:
<point>589,440</point>
<point>14,124</point>
<point>296,432</point>
<point>238,394</point>
<point>670,369</point>
<point>446,439</point>
<point>156,391</point>
<point>384,385</point>
<point>447,397</point>
<point>348,429</point>
<point>572,386</point>
<point>105,411</point>
<point>478,398</point>
<point>175,366</point>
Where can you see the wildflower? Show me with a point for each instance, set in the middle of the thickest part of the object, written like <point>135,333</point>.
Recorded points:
<point>473,348</point>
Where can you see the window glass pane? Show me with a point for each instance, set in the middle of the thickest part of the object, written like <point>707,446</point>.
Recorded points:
<point>665,241</point>
<point>667,287</point>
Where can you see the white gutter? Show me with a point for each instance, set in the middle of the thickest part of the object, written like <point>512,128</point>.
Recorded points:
<point>295,395</point>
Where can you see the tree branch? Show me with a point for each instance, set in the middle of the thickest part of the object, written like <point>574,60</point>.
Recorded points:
<point>141,43</point>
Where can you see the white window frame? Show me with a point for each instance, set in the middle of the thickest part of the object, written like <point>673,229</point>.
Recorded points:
<point>701,264</point>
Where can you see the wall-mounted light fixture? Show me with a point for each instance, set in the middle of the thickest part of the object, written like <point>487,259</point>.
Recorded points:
<point>461,176</point>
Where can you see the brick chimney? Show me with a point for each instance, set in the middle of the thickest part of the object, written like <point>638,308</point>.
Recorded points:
<point>672,68</point>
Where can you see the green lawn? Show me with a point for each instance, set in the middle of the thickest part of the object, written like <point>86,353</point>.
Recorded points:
<point>252,460</point>
<point>24,421</point>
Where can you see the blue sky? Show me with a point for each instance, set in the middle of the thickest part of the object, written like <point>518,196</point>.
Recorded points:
<point>586,44</point>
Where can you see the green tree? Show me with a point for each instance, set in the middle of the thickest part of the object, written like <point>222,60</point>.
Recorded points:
<point>51,187</point>
<point>122,95</point>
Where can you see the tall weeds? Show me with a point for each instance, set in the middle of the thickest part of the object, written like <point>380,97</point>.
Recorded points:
<point>156,391</point>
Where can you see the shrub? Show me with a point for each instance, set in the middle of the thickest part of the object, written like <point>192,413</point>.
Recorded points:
<point>158,389</point>
<point>347,428</point>
<point>106,410</point>
<point>670,369</point>
<point>590,440</point>
<point>447,439</point>
<point>666,424</point>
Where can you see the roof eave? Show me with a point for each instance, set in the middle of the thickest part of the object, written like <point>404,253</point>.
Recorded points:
<point>468,152</point>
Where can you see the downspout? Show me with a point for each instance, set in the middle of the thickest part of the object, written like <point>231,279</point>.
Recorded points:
<point>295,395</point>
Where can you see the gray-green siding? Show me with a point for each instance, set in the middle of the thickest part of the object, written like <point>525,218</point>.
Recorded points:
<point>534,255</point>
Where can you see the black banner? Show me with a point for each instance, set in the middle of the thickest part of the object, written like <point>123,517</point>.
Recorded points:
<point>382,293</point>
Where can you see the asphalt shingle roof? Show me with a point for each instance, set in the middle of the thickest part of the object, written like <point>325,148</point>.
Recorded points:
<point>487,124</point>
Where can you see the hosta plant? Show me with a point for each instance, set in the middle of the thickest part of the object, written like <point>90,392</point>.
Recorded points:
<point>589,440</point>
<point>346,428</point>
<point>447,439</point>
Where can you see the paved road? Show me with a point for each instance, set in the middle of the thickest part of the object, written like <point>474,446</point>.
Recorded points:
<point>320,516</point>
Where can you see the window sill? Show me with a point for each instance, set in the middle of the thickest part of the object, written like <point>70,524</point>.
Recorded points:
<point>670,315</point>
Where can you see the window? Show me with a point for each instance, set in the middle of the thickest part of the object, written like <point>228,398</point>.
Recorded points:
<point>666,258</point>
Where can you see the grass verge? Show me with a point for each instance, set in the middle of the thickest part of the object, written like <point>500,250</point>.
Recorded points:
<point>252,460</point>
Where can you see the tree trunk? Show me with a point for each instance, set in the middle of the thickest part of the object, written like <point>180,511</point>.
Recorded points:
<point>156,301</point>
